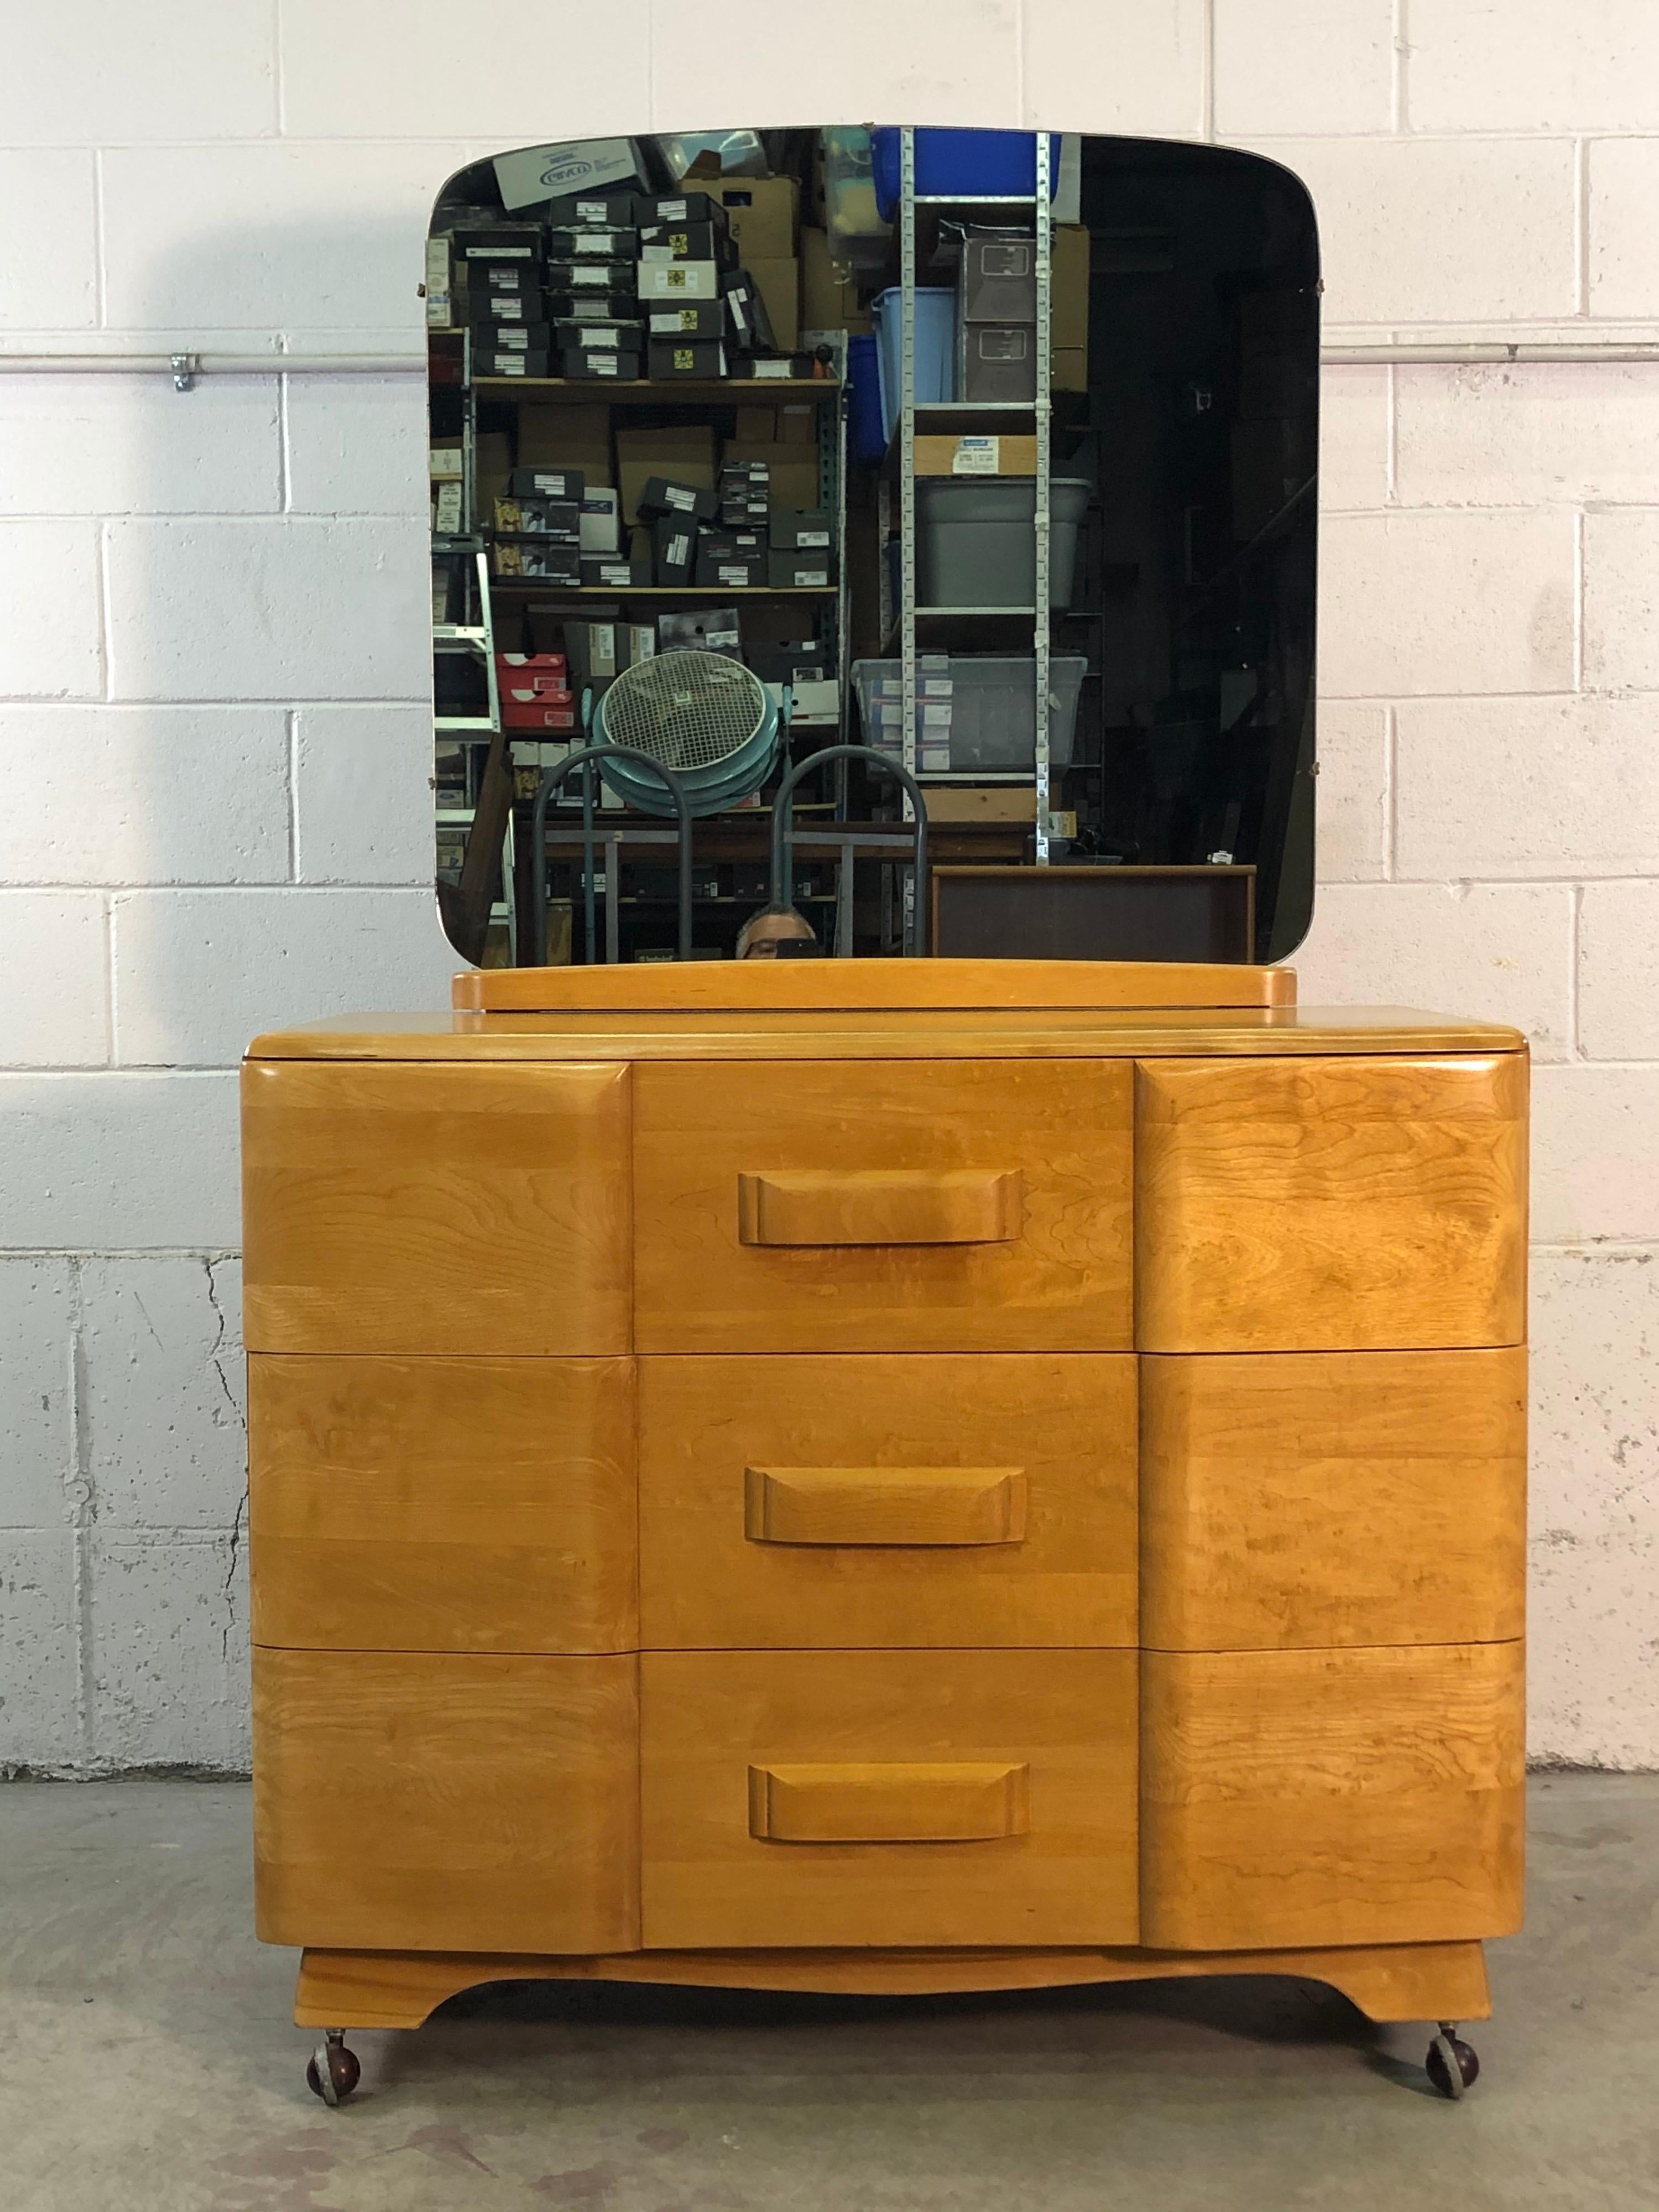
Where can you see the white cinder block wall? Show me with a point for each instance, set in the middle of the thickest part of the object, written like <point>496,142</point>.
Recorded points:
<point>213,680</point>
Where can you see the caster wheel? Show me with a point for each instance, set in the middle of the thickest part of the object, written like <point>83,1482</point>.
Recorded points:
<point>332,2071</point>
<point>1452,2065</point>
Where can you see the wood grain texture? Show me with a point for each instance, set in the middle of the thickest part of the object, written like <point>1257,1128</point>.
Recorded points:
<point>1064,1033</point>
<point>906,1206</point>
<point>1062,1284</point>
<point>1359,1796</point>
<point>1065,1422</point>
<point>890,1802</point>
<point>847,1506</point>
<point>403,1988</point>
<point>412,1210</point>
<point>442,1504</point>
<point>876,984</point>
<point>1313,1206</point>
<point>1332,1497</point>
<point>408,1802</point>
<point>707,1717</point>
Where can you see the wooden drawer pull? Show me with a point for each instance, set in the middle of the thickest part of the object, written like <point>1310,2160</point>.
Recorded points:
<point>885,1505</point>
<point>963,1801</point>
<point>920,1206</point>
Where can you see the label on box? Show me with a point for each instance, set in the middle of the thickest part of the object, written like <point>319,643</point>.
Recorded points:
<point>678,280</point>
<point>977,457</point>
<point>684,322</point>
<point>773,371</point>
<point>810,540</point>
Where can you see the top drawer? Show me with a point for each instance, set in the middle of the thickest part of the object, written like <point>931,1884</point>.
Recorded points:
<point>400,1208</point>
<point>1351,1205</point>
<point>883,1206</point>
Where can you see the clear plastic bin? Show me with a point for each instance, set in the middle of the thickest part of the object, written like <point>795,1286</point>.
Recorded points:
<point>993,706</point>
<point>858,231</point>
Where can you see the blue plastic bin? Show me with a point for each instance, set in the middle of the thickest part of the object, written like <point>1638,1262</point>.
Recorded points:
<point>936,350</point>
<point>977,163</point>
<point>864,425</point>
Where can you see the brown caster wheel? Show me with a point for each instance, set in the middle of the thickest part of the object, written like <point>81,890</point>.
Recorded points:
<point>1452,2066</point>
<point>332,2071</point>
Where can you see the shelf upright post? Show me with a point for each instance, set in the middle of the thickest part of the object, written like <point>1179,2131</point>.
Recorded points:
<point>908,483</point>
<point>1044,229</point>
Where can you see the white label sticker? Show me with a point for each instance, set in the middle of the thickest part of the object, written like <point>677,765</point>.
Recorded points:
<point>977,457</point>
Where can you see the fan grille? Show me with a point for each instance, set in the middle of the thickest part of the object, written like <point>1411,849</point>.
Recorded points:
<point>686,709</point>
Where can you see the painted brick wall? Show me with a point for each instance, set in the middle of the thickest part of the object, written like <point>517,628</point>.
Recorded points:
<point>212,679</point>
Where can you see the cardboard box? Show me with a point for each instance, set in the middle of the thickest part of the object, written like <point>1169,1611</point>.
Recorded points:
<point>792,471</point>
<point>661,495</point>
<point>693,319</point>
<point>446,510</point>
<point>438,296</point>
<point>597,338</point>
<point>616,242</point>
<point>802,529</point>
<point>674,549</point>
<point>577,363</point>
<point>797,423</point>
<point>1068,290</point>
<point>679,206</point>
<point>777,279</point>
<point>604,307</point>
<point>560,436</point>
<point>547,560</point>
<point>974,456</point>
<point>601,520</point>
<point>1068,370</point>
<point>444,464</point>
<point>829,298</point>
<point>673,281</point>
<point>594,210</point>
<point>684,454</point>
<point>763,213</point>
<point>609,573</point>
<point>591,647</point>
<point>789,571</point>
<point>996,280</point>
<point>701,360</point>
<point>578,167</point>
<point>512,338</point>
<point>980,802</point>
<point>511,363</point>
<point>996,360</point>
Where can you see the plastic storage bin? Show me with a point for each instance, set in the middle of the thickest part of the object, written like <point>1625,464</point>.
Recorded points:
<point>975,163</point>
<point>865,427</point>
<point>936,348</point>
<point>977,543</point>
<point>858,230</point>
<point>992,703</point>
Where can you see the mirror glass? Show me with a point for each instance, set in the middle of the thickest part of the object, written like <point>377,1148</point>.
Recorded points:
<point>750,444</point>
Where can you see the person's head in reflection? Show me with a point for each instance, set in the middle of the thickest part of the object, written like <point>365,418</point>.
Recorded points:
<point>761,934</point>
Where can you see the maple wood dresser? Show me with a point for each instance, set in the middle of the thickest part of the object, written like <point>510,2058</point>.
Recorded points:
<point>903,1475</point>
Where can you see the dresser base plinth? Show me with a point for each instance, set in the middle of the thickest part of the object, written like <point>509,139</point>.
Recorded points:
<point>403,1988</point>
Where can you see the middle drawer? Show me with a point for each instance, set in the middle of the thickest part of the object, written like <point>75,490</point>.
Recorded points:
<point>888,1500</point>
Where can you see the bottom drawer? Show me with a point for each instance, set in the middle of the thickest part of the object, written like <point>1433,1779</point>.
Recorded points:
<point>432,1802</point>
<point>888,1797</point>
<point>1370,1795</point>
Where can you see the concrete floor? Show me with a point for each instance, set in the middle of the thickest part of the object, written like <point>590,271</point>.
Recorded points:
<point>147,2061</point>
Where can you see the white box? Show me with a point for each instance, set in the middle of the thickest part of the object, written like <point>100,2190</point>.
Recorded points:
<point>600,525</point>
<point>679,280</point>
<point>538,173</point>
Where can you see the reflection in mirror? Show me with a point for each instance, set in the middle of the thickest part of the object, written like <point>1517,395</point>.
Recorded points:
<point>991,451</point>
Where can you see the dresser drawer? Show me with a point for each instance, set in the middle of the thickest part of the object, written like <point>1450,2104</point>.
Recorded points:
<point>883,1206</point>
<point>1330,1204</point>
<point>1332,1497</point>
<point>403,1801</point>
<point>876,1499</point>
<point>421,1208</point>
<point>952,1797</point>
<point>442,1504</point>
<point>1317,1797</point>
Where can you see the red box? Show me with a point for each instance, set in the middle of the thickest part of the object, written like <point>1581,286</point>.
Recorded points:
<point>531,675</point>
<point>554,710</point>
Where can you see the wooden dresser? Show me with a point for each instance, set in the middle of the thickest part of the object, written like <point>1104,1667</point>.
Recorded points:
<point>888,1476</point>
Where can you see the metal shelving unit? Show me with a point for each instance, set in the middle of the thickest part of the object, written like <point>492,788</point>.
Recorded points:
<point>902,622</point>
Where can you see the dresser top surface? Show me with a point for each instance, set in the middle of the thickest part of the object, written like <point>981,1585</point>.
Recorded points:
<point>840,1033</point>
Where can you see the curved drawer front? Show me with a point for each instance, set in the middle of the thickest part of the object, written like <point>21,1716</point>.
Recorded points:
<point>1332,1497</point>
<point>955,1206</point>
<point>887,1797</point>
<point>1330,1204</point>
<point>424,1208</point>
<point>442,1504</point>
<point>898,1500</point>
